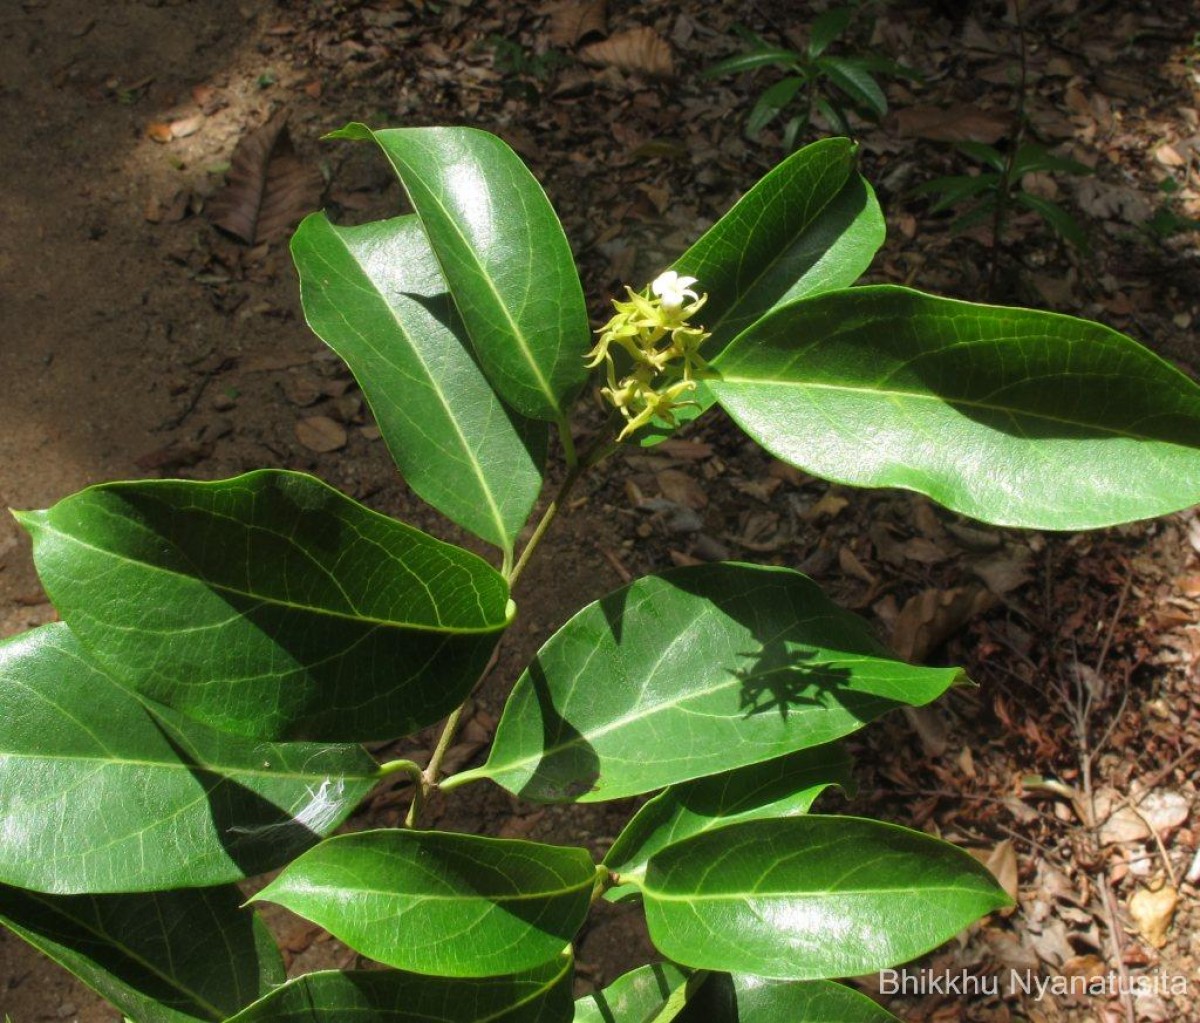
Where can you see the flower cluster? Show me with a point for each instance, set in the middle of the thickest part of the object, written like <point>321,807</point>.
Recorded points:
<point>652,328</point>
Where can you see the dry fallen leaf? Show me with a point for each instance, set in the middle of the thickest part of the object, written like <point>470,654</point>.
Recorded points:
<point>960,122</point>
<point>1152,913</point>
<point>829,506</point>
<point>573,20</point>
<point>1002,862</point>
<point>1006,570</point>
<point>268,188</point>
<point>931,617</point>
<point>186,126</point>
<point>321,434</point>
<point>159,131</point>
<point>640,50</point>
<point>682,489</point>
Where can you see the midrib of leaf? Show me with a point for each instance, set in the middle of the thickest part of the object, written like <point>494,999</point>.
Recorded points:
<point>1014,412</point>
<point>372,1012</point>
<point>517,333</point>
<point>662,896</point>
<point>203,763</point>
<point>214,1012</point>
<point>498,900</point>
<point>276,601</point>
<point>227,772</point>
<point>473,461</point>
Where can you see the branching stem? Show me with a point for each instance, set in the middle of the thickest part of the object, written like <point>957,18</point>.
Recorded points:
<point>427,780</point>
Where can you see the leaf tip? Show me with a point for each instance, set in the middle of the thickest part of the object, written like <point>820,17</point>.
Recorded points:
<point>355,131</point>
<point>27,520</point>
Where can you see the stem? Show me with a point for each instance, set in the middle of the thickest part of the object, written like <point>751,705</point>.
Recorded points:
<point>401,767</point>
<point>568,443</point>
<point>548,516</point>
<point>428,779</point>
<point>679,997</point>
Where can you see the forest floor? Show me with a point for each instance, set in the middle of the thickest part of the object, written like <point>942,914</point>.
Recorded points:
<point>138,340</point>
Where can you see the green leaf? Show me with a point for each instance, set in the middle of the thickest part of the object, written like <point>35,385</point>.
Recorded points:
<point>438,903</point>
<point>783,787</point>
<point>1012,416</point>
<point>826,28</point>
<point>688,673</point>
<point>790,131</point>
<point>832,111</point>
<point>856,82</point>
<point>957,188</point>
<point>985,154</point>
<point>1032,157</point>
<point>982,212</point>
<point>270,605</point>
<point>811,898</point>
<point>540,995</point>
<point>763,57</point>
<point>504,255</point>
<point>1065,225</point>
<point>375,295</point>
<point>770,103</point>
<point>105,792</point>
<point>742,998</point>
<point>809,225</point>
<point>162,957</point>
<point>637,997</point>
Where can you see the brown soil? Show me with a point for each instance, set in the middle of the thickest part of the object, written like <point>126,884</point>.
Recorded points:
<point>137,340</point>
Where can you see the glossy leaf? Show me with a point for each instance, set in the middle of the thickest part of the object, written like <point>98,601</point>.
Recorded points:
<point>104,792</point>
<point>540,995</point>
<point>810,898</point>
<point>375,295</point>
<point>439,903</point>
<point>742,998</point>
<point>270,605</point>
<point>1012,416</point>
<point>810,225</point>
<point>504,256</point>
<point>635,997</point>
<point>688,673</point>
<point>161,957</point>
<point>783,787</point>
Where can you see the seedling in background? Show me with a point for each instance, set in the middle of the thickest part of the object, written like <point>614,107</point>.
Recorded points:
<point>1167,220</point>
<point>814,81</point>
<point>991,194</point>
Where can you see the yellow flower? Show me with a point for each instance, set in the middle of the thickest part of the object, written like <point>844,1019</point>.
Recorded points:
<point>652,327</point>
